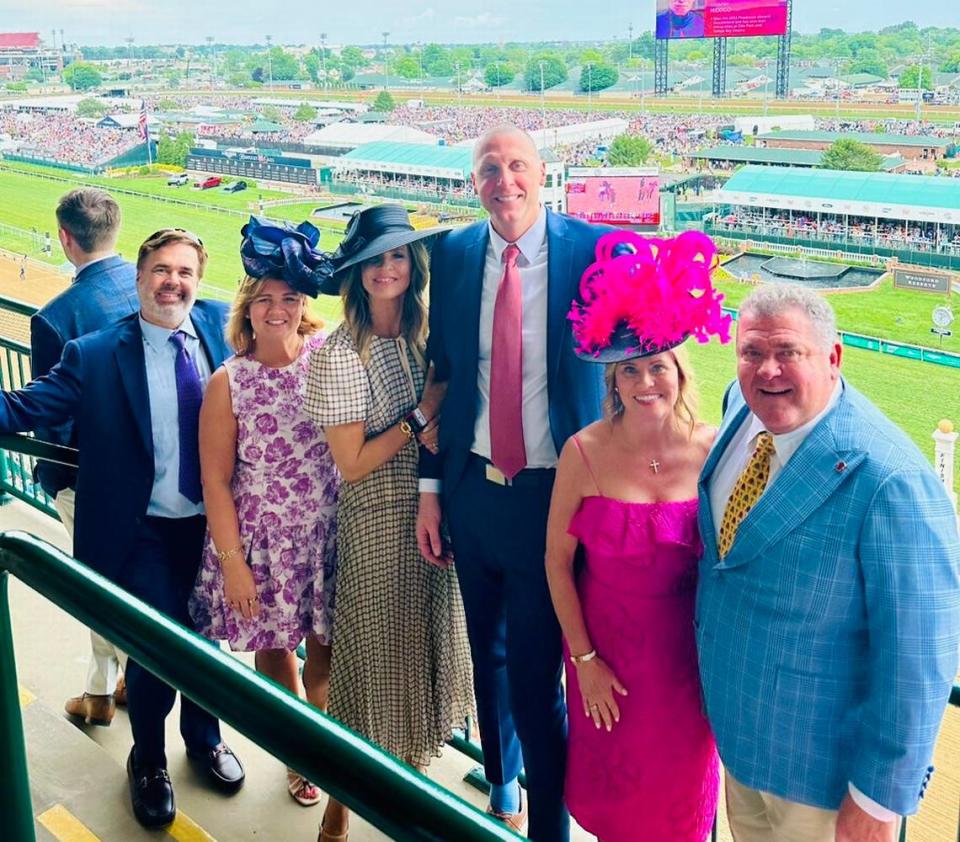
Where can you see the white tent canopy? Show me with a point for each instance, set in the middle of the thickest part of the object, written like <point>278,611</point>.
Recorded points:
<point>349,136</point>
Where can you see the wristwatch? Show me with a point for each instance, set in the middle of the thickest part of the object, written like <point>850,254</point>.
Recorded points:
<point>417,420</point>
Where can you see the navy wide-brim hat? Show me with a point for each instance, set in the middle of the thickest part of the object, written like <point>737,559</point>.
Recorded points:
<point>626,345</point>
<point>373,231</point>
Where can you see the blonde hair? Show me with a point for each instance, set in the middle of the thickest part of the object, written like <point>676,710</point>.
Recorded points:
<point>688,398</point>
<point>413,318</point>
<point>239,331</point>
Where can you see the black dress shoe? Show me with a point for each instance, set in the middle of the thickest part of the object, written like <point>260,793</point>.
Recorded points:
<point>151,794</point>
<point>221,766</point>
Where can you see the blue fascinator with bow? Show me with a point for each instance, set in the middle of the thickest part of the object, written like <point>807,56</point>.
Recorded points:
<point>287,252</point>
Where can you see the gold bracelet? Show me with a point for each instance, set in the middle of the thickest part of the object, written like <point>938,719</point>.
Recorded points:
<point>223,555</point>
<point>406,429</point>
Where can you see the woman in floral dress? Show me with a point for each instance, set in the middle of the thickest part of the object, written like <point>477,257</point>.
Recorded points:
<point>269,481</point>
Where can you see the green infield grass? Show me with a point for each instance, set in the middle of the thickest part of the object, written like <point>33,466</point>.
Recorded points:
<point>32,201</point>
<point>900,315</point>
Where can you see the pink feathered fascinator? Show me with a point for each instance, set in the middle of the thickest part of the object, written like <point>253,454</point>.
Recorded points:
<point>643,296</point>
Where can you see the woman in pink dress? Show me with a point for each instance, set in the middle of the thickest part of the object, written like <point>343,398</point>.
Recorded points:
<point>641,760</point>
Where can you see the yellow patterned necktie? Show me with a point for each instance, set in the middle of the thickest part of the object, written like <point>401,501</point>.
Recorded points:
<point>746,491</point>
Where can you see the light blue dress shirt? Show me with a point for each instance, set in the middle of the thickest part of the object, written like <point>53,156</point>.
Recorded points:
<point>160,355</point>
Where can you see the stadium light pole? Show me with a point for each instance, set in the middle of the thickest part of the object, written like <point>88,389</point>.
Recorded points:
<point>420,61</point>
<point>919,90</point>
<point>386,63</point>
<point>269,62</point>
<point>543,106</point>
<point>836,93</point>
<point>630,41</point>
<point>213,61</point>
<point>129,40</point>
<point>323,57</point>
<point>459,89</point>
<point>590,89</point>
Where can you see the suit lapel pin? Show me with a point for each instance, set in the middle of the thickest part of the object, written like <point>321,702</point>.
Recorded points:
<point>840,467</point>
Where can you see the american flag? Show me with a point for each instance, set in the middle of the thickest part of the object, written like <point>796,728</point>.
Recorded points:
<point>142,122</point>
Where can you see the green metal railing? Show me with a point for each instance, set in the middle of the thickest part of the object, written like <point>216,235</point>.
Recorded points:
<point>378,787</point>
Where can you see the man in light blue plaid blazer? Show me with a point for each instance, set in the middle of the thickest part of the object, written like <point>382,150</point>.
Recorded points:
<point>828,634</point>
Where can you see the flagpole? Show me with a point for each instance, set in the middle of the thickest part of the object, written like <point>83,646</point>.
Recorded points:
<point>145,129</point>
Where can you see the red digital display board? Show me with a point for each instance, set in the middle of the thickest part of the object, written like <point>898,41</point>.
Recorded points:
<point>720,18</point>
<point>616,196</point>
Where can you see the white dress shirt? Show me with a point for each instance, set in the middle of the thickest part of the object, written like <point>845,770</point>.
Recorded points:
<point>731,464</point>
<point>532,263</point>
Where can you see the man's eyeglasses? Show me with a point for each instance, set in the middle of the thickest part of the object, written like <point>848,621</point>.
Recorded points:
<point>164,231</point>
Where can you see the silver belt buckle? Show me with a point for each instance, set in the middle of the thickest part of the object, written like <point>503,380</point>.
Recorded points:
<point>494,474</point>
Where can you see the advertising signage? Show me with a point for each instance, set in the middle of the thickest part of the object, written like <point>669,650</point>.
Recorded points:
<point>614,195</point>
<point>720,18</point>
<point>920,279</point>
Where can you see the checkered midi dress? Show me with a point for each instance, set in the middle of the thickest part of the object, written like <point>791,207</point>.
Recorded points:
<point>401,673</point>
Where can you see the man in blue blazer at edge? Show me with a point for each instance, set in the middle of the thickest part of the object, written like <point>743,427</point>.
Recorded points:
<point>828,607</point>
<point>103,290</point>
<point>132,391</point>
<point>494,499</point>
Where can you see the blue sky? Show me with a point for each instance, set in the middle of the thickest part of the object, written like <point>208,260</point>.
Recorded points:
<point>363,21</point>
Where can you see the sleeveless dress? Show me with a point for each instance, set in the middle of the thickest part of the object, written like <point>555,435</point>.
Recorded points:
<point>400,673</point>
<point>655,776</point>
<point>285,489</point>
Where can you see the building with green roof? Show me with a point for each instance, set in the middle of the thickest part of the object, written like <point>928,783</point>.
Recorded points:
<point>922,198</point>
<point>911,147</point>
<point>767,156</point>
<point>915,216</point>
<point>411,159</point>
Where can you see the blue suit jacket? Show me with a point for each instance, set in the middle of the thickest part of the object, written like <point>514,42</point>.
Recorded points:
<point>99,295</point>
<point>101,385</point>
<point>575,388</point>
<point>828,636</point>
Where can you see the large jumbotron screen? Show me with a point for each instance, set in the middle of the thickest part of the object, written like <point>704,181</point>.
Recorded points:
<point>615,195</point>
<point>720,18</point>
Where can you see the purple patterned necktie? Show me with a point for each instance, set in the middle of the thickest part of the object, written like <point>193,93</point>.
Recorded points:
<point>189,397</point>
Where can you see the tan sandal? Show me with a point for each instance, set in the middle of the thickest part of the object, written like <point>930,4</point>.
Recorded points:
<point>332,837</point>
<point>302,791</point>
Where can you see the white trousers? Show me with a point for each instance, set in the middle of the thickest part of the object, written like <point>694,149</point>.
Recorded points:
<point>105,658</point>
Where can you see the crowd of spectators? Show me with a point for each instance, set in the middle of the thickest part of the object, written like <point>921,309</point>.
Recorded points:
<point>422,188</point>
<point>64,138</point>
<point>855,230</point>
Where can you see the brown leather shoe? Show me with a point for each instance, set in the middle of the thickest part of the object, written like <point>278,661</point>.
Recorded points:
<point>94,710</point>
<point>120,694</point>
<point>515,821</point>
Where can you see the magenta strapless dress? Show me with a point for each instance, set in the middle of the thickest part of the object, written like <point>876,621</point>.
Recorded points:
<point>655,776</point>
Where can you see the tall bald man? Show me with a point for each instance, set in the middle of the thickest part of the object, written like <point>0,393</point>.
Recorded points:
<point>500,337</point>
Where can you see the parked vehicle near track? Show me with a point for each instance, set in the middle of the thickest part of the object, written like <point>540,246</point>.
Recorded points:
<point>208,182</point>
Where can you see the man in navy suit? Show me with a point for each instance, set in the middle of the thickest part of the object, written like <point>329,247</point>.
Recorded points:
<point>133,391</point>
<point>103,291</point>
<point>496,505</point>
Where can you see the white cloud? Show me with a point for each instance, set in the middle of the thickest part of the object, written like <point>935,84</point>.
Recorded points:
<point>425,16</point>
<point>481,20</point>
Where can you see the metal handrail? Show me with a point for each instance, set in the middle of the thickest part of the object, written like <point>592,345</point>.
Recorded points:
<point>390,795</point>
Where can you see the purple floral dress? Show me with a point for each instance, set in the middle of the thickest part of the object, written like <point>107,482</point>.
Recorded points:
<point>285,486</point>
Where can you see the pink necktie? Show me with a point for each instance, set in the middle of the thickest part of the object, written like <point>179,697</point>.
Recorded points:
<point>506,371</point>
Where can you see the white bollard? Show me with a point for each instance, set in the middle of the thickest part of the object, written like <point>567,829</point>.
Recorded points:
<point>945,439</point>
